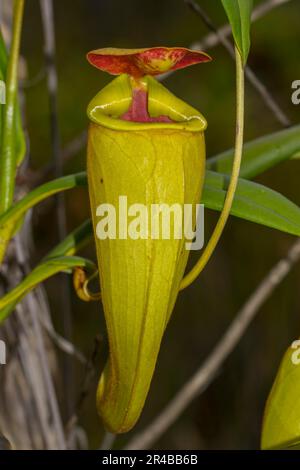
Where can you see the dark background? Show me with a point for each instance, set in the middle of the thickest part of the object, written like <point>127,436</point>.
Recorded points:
<point>229,413</point>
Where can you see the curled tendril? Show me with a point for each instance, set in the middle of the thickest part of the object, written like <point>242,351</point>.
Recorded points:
<point>81,282</point>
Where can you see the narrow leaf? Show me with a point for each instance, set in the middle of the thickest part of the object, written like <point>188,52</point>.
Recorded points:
<point>260,154</point>
<point>42,272</point>
<point>11,217</point>
<point>40,194</point>
<point>75,241</point>
<point>239,15</point>
<point>253,202</point>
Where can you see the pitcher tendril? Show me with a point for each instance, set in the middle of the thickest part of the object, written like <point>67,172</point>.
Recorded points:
<point>81,285</point>
<point>211,245</point>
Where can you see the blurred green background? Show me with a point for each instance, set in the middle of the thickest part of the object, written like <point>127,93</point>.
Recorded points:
<point>229,413</point>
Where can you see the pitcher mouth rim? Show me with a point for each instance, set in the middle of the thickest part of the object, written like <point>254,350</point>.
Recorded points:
<point>107,107</point>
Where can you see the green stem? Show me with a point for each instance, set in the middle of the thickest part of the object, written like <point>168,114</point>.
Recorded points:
<point>7,152</point>
<point>240,118</point>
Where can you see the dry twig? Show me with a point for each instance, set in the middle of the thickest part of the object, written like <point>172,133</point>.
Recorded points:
<point>47,14</point>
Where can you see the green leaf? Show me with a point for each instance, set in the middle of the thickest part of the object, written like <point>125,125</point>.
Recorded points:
<point>260,154</point>
<point>67,247</point>
<point>253,202</point>
<point>74,242</point>
<point>40,194</point>
<point>239,15</point>
<point>43,271</point>
<point>11,217</point>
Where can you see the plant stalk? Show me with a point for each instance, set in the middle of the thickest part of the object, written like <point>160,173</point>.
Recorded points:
<point>7,150</point>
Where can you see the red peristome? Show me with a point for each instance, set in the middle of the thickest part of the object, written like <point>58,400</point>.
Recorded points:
<point>140,62</point>
<point>138,111</point>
